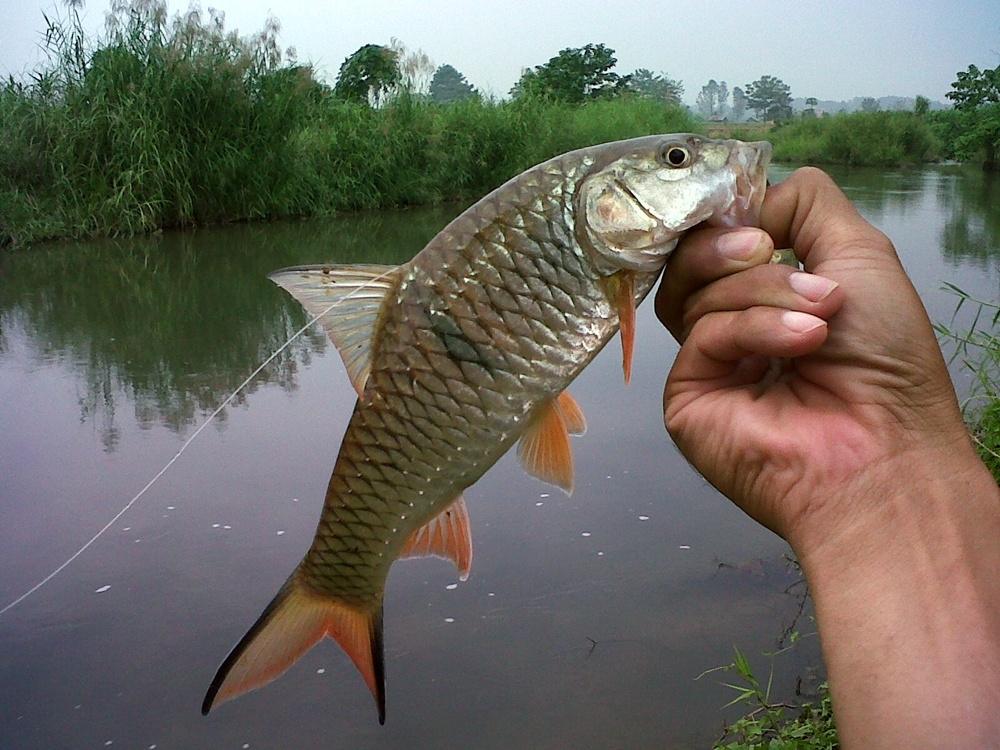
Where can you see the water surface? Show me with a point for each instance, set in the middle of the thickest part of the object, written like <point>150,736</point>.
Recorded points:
<point>586,619</point>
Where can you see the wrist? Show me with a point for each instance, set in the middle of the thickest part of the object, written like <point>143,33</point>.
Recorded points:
<point>916,500</point>
<point>908,604</point>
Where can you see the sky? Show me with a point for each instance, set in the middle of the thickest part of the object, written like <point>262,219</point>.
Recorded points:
<point>830,50</point>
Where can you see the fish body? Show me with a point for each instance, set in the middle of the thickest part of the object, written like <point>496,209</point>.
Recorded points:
<point>468,348</point>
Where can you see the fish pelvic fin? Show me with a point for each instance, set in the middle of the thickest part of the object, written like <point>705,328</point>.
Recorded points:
<point>294,621</point>
<point>544,449</point>
<point>349,301</point>
<point>447,535</point>
<point>572,414</point>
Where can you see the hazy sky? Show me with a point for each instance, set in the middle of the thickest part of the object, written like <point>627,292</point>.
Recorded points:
<point>832,50</point>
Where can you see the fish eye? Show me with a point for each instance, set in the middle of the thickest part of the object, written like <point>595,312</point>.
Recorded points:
<point>675,156</point>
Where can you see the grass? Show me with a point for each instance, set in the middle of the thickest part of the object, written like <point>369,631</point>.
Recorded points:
<point>976,344</point>
<point>878,139</point>
<point>774,725</point>
<point>176,122</point>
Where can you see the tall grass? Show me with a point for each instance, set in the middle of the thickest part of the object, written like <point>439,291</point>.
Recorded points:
<point>862,139</point>
<point>165,122</point>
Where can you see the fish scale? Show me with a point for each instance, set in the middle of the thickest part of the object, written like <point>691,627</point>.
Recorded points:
<point>553,315</point>
<point>466,349</point>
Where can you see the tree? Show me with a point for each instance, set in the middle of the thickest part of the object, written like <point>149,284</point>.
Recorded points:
<point>976,94</point>
<point>870,104</point>
<point>712,98</point>
<point>368,75</point>
<point>921,105</point>
<point>809,112</point>
<point>448,85</point>
<point>739,103</point>
<point>574,75</point>
<point>974,88</point>
<point>644,82</point>
<point>770,98</point>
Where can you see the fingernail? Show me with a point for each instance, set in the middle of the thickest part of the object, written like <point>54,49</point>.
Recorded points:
<point>800,322</point>
<point>738,245</point>
<point>813,288</point>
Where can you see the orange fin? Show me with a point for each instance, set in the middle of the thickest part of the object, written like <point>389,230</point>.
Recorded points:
<point>349,301</point>
<point>624,302</point>
<point>291,625</point>
<point>544,448</point>
<point>447,535</point>
<point>572,414</point>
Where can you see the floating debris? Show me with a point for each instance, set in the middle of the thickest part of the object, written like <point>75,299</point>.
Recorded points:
<point>216,525</point>
<point>321,670</point>
<point>539,504</point>
<point>600,554</point>
<point>281,532</point>
<point>585,533</point>
<point>544,494</point>
<point>451,586</point>
<point>449,619</point>
<point>102,589</point>
<point>684,546</point>
<point>643,518</point>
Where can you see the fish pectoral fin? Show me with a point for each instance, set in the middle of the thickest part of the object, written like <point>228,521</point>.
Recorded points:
<point>572,414</point>
<point>349,301</point>
<point>294,621</point>
<point>447,535</point>
<point>620,289</point>
<point>544,449</point>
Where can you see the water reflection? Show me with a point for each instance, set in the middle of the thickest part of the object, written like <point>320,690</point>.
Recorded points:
<point>506,659</point>
<point>172,324</point>
<point>971,230</point>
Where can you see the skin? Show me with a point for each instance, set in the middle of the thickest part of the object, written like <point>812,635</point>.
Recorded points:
<point>855,453</point>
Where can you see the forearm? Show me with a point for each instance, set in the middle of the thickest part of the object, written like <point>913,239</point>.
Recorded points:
<point>908,603</point>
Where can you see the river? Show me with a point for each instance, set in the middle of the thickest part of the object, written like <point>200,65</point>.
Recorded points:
<point>586,619</point>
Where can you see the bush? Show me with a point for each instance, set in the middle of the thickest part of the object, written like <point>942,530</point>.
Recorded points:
<point>862,138</point>
<point>165,123</point>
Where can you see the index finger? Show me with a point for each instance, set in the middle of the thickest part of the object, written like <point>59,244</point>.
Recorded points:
<point>809,213</point>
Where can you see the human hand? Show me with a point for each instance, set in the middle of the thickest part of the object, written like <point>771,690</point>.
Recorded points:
<point>863,395</point>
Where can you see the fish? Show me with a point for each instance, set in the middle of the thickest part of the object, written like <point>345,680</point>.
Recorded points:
<point>468,348</point>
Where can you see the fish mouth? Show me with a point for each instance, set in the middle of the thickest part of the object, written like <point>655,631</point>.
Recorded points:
<point>748,162</point>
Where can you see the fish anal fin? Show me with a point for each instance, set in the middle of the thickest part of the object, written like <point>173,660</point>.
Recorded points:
<point>572,414</point>
<point>349,301</point>
<point>294,621</point>
<point>544,449</point>
<point>447,535</point>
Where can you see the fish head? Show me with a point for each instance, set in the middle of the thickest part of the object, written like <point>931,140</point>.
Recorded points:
<point>641,195</point>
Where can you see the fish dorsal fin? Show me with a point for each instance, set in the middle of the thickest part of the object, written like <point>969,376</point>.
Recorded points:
<point>544,448</point>
<point>357,293</point>
<point>290,625</point>
<point>572,414</point>
<point>447,535</point>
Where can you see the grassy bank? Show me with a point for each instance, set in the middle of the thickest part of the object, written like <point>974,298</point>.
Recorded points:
<point>877,139</point>
<point>175,122</point>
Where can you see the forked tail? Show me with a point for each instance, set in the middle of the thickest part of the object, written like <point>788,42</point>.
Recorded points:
<point>294,621</point>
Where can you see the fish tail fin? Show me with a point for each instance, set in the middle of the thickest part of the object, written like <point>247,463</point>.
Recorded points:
<point>294,621</point>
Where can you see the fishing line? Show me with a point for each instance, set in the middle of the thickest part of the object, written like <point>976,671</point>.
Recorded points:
<point>187,442</point>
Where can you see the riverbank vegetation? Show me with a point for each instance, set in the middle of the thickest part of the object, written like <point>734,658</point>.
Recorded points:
<point>176,122</point>
<point>172,122</point>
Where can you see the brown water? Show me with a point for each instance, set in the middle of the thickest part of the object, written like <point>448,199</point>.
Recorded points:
<point>586,620</point>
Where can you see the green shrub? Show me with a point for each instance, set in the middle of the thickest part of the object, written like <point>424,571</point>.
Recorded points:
<point>164,123</point>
